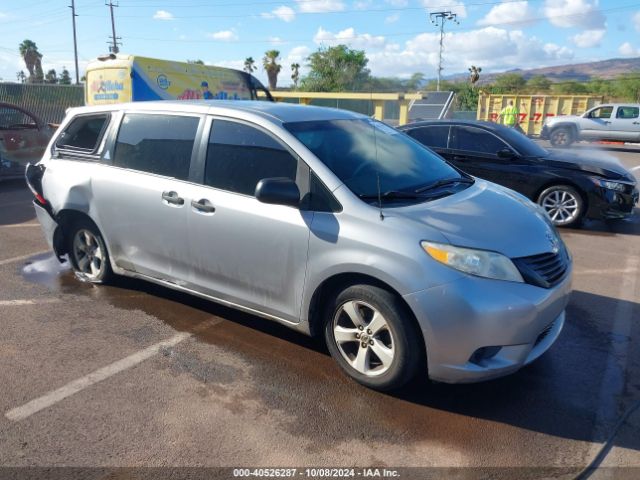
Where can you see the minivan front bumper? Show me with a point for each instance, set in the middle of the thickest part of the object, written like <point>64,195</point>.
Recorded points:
<point>476,329</point>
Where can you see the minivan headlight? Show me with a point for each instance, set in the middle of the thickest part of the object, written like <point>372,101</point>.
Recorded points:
<point>481,263</point>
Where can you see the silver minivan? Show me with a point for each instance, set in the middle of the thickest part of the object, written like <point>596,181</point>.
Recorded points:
<point>324,220</point>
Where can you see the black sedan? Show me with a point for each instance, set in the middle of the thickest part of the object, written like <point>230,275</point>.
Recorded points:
<point>567,186</point>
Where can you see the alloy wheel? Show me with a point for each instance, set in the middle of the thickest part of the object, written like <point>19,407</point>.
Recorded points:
<point>561,206</point>
<point>363,338</point>
<point>89,254</point>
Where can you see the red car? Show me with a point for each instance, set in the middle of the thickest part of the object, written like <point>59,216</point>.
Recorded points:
<point>23,139</point>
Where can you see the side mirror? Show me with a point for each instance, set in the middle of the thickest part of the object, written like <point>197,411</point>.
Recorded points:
<point>506,154</point>
<point>278,191</point>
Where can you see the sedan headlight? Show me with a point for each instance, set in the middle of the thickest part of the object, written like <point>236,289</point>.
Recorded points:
<point>609,185</point>
<point>481,263</point>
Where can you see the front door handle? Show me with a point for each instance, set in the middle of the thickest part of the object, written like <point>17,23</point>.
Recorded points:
<point>635,123</point>
<point>606,122</point>
<point>203,206</point>
<point>459,158</point>
<point>172,198</point>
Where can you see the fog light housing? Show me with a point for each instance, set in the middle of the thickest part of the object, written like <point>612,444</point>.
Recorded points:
<point>483,354</point>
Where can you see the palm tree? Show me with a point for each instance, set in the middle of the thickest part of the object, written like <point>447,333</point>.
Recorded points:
<point>271,66</point>
<point>250,65</point>
<point>32,58</point>
<point>295,74</point>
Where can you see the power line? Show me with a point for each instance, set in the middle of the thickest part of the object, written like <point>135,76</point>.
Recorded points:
<point>114,47</point>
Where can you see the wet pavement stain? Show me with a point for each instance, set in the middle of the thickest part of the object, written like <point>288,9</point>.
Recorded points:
<point>282,370</point>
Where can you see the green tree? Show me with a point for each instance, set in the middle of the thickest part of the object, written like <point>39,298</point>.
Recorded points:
<point>295,74</point>
<point>51,77</point>
<point>466,96</point>
<point>509,83</point>
<point>272,67</point>
<point>627,87</point>
<point>65,78</point>
<point>196,62</point>
<point>32,59</point>
<point>570,88</point>
<point>334,69</point>
<point>249,65</point>
<point>538,84</point>
<point>22,78</point>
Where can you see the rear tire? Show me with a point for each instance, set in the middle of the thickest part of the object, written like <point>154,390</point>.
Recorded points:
<point>88,253</point>
<point>564,205</point>
<point>371,334</point>
<point>561,137</point>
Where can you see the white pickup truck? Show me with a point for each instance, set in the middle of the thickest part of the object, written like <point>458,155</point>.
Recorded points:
<point>613,122</point>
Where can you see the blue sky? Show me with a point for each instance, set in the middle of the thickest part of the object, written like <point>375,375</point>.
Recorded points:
<point>396,34</point>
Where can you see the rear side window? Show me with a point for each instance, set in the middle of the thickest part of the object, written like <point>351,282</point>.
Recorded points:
<point>159,144</point>
<point>477,140</point>
<point>239,156</point>
<point>83,134</point>
<point>435,137</point>
<point>14,119</point>
<point>628,112</point>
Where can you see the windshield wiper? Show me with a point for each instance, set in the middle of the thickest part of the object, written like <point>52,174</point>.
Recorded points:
<point>442,183</point>
<point>391,195</point>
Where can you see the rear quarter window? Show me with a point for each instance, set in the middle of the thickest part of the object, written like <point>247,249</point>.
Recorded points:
<point>83,135</point>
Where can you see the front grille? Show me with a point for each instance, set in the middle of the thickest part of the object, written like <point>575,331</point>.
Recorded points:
<point>544,270</point>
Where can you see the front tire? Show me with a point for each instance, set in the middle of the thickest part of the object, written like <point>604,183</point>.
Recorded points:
<point>561,137</point>
<point>371,334</point>
<point>564,205</point>
<point>88,253</point>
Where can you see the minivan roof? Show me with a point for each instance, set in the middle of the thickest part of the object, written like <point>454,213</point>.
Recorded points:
<point>281,112</point>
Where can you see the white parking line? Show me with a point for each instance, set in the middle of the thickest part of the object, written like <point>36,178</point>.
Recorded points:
<point>605,271</point>
<point>635,168</point>
<point>35,301</point>
<point>71,388</point>
<point>22,257</point>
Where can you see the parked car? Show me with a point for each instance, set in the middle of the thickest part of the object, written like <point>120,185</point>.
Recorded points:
<point>614,122</point>
<point>23,139</point>
<point>568,187</point>
<point>324,220</point>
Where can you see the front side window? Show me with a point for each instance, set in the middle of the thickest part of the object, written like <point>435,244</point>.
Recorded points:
<point>602,112</point>
<point>433,137</point>
<point>159,144</point>
<point>83,134</point>
<point>239,156</point>
<point>370,157</point>
<point>473,139</point>
<point>628,112</point>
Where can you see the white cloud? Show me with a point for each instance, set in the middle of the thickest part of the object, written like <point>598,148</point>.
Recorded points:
<point>628,50</point>
<point>223,35</point>
<point>574,13</point>
<point>319,6</point>
<point>398,3</point>
<point>392,18</point>
<point>457,7</point>
<point>636,21</point>
<point>508,12</point>
<point>588,38</point>
<point>276,41</point>
<point>362,4</point>
<point>349,37</point>
<point>284,13</point>
<point>490,48</point>
<point>163,15</point>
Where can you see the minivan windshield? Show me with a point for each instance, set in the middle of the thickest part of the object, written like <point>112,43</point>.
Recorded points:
<point>373,159</point>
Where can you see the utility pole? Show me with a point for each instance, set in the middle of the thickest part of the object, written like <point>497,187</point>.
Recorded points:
<point>114,40</point>
<point>75,42</point>
<point>439,19</point>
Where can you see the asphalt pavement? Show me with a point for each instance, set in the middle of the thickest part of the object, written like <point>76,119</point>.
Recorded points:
<point>136,375</point>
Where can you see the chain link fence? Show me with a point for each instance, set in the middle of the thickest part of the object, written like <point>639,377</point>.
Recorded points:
<point>49,102</point>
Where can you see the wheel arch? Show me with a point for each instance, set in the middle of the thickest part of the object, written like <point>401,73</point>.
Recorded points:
<point>333,285</point>
<point>65,219</point>
<point>570,183</point>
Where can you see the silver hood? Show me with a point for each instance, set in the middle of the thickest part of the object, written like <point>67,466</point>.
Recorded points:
<point>489,217</point>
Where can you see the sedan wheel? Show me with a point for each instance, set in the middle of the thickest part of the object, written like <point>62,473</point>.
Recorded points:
<point>373,336</point>
<point>563,204</point>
